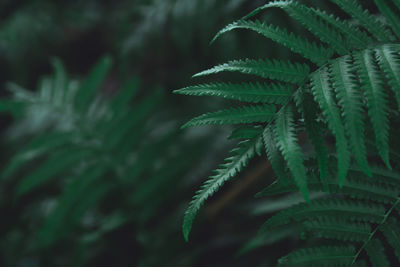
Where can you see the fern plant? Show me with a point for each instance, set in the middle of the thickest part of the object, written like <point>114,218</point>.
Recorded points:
<point>346,87</point>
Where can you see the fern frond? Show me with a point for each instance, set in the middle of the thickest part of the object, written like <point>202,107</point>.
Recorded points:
<point>382,174</point>
<point>336,228</point>
<point>322,91</point>
<point>273,93</point>
<point>310,50</point>
<point>376,253</point>
<point>350,209</point>
<point>389,62</point>
<point>355,187</point>
<point>319,256</point>
<point>247,114</point>
<point>365,18</point>
<point>285,71</point>
<point>390,15</point>
<point>309,110</point>
<point>391,231</point>
<point>309,20</point>
<point>358,39</point>
<point>245,132</point>
<point>349,98</point>
<point>372,85</point>
<point>285,135</point>
<point>234,164</point>
<point>274,155</point>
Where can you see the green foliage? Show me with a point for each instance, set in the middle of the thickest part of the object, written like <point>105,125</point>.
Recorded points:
<point>345,77</point>
<point>94,151</point>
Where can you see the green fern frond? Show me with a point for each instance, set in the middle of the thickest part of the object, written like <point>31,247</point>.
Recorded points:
<point>376,253</point>
<point>245,132</point>
<point>307,49</point>
<point>372,85</point>
<point>233,165</point>
<point>274,155</point>
<point>273,93</point>
<point>285,71</point>
<point>390,15</point>
<point>391,231</point>
<point>309,111</point>
<point>358,187</point>
<point>336,228</point>
<point>319,256</point>
<point>382,174</point>
<point>389,62</point>
<point>285,135</point>
<point>349,98</point>
<point>322,91</point>
<point>246,114</point>
<point>366,19</point>
<point>358,39</point>
<point>311,21</point>
<point>350,209</point>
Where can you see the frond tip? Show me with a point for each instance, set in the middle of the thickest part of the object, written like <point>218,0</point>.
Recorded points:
<point>234,164</point>
<point>285,71</point>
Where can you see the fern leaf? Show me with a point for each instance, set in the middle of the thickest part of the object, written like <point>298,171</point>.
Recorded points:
<point>372,84</point>
<point>357,38</point>
<point>389,63</point>
<point>234,164</point>
<point>309,111</point>
<point>309,20</point>
<point>322,91</point>
<point>335,228</point>
<point>274,155</point>
<point>365,18</point>
<point>390,16</point>
<point>358,188</point>
<point>382,174</point>
<point>285,71</point>
<point>245,132</point>
<point>349,98</point>
<point>310,50</point>
<point>349,209</point>
<point>376,253</point>
<point>319,256</point>
<point>247,114</point>
<point>278,93</point>
<point>279,4</point>
<point>285,135</point>
<point>391,231</point>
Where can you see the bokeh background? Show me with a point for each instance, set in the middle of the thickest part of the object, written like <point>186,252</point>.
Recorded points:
<point>159,45</point>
